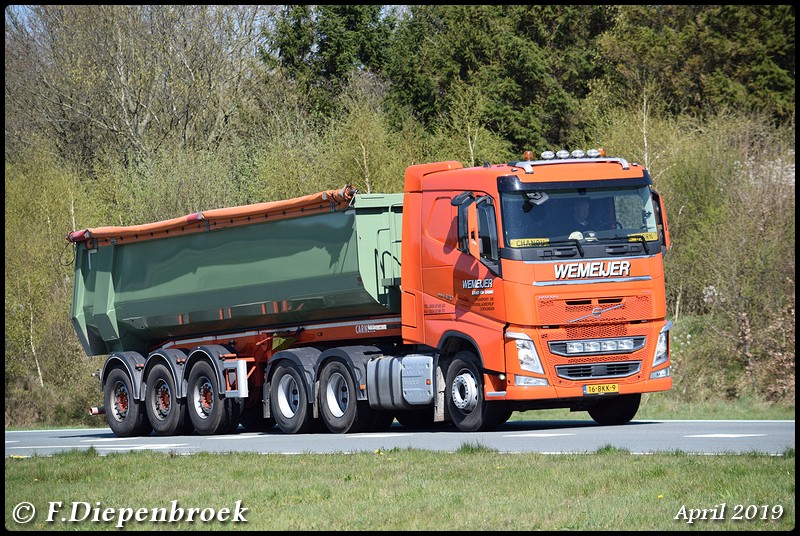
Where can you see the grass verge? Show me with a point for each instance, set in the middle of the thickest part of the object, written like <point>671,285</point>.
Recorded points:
<point>473,488</point>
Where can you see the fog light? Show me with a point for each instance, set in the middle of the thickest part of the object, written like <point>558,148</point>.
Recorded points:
<point>527,381</point>
<point>663,373</point>
<point>591,346</point>
<point>608,346</point>
<point>574,347</point>
<point>625,344</point>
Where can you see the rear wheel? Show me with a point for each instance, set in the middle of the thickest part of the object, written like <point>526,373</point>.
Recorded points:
<point>614,411</point>
<point>166,413</point>
<point>125,416</point>
<point>204,403</point>
<point>289,400</point>
<point>468,408</point>
<point>339,407</point>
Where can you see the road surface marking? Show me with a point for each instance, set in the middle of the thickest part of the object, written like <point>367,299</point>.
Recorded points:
<point>734,436</point>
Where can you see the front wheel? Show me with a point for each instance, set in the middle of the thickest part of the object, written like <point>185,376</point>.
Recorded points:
<point>125,416</point>
<point>468,408</point>
<point>614,411</point>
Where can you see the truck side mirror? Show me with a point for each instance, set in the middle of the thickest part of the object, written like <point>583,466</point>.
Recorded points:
<point>464,201</point>
<point>661,219</point>
<point>472,231</point>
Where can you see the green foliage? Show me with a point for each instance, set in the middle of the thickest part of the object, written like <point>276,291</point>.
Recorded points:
<point>704,58</point>
<point>47,377</point>
<point>530,62</point>
<point>322,47</point>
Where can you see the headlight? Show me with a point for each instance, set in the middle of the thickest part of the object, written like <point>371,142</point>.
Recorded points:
<point>526,353</point>
<point>662,347</point>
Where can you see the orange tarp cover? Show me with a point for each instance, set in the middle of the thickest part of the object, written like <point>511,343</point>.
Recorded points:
<point>321,201</point>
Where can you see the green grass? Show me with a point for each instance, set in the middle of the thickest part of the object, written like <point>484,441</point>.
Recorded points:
<point>474,488</point>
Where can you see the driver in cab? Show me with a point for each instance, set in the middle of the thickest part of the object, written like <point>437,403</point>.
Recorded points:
<point>580,215</point>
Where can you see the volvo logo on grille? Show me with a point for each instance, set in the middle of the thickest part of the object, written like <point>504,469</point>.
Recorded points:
<point>596,312</point>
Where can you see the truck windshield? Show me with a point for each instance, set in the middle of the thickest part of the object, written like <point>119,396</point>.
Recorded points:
<point>537,218</point>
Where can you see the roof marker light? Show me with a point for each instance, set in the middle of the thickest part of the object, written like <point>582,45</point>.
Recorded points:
<point>578,153</point>
<point>562,154</point>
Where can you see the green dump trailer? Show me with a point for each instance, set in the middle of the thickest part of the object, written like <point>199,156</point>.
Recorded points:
<point>328,256</point>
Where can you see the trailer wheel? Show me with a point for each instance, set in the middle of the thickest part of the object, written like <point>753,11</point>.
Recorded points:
<point>614,411</point>
<point>125,416</point>
<point>232,414</point>
<point>468,408</point>
<point>340,409</point>
<point>165,411</point>
<point>205,407</point>
<point>289,401</point>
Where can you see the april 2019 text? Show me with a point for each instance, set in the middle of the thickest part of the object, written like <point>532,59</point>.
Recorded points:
<point>737,512</point>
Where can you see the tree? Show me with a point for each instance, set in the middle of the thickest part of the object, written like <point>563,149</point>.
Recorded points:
<point>124,80</point>
<point>530,62</point>
<point>323,46</point>
<point>706,58</point>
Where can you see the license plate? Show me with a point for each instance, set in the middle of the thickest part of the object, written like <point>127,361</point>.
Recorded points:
<point>601,389</point>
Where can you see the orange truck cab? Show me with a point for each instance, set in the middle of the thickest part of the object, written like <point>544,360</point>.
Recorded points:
<point>529,307</point>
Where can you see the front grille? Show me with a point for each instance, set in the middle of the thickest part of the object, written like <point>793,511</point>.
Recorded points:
<point>598,370</point>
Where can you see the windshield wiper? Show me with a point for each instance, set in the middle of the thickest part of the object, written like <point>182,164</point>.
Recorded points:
<point>643,241</point>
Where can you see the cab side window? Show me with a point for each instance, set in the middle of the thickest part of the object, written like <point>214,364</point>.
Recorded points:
<point>484,238</point>
<point>487,229</point>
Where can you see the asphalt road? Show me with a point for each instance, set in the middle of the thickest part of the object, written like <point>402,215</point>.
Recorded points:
<point>697,437</point>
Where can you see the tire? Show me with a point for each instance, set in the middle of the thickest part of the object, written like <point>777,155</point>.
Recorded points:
<point>415,418</point>
<point>289,400</point>
<point>468,408</point>
<point>125,416</point>
<point>339,408</point>
<point>615,411</point>
<point>205,406</point>
<point>165,411</point>
<point>502,416</point>
<point>232,414</point>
